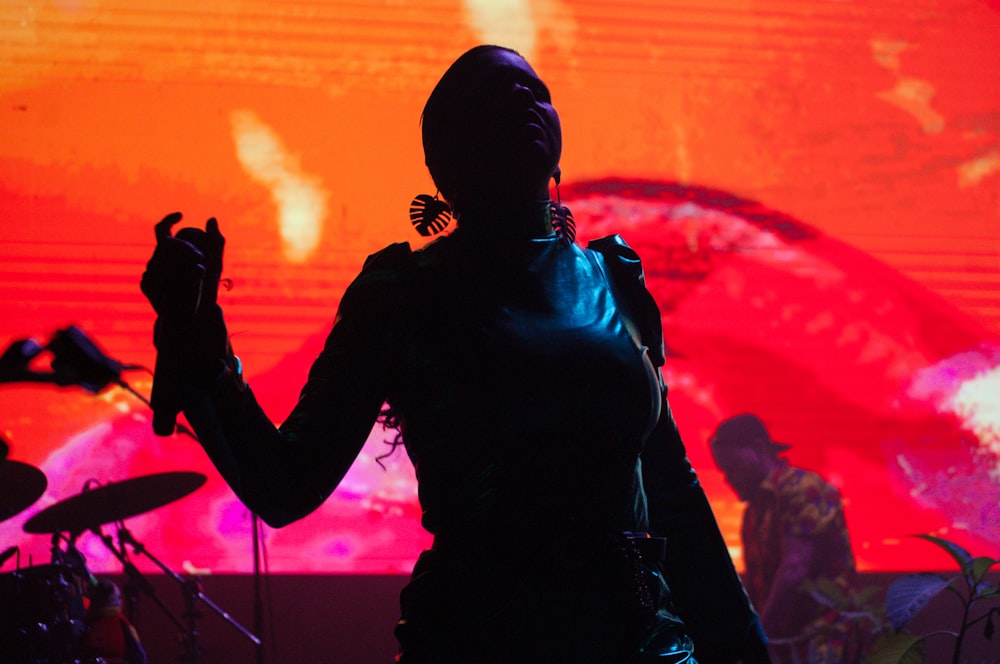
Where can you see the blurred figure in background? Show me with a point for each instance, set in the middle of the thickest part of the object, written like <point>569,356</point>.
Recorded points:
<point>794,536</point>
<point>109,635</point>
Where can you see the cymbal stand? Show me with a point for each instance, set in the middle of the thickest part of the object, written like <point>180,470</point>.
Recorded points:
<point>136,579</point>
<point>258,603</point>
<point>193,595</point>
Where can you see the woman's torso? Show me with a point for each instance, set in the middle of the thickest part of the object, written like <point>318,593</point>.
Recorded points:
<point>523,397</point>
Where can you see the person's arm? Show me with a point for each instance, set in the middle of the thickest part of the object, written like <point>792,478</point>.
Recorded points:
<point>285,473</point>
<point>280,474</point>
<point>810,515</point>
<point>786,605</point>
<point>703,582</point>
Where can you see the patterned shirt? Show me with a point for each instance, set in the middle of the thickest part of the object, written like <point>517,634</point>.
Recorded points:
<point>792,502</point>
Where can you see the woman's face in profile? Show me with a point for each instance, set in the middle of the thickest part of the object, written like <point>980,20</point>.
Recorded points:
<point>525,126</point>
<point>501,120</point>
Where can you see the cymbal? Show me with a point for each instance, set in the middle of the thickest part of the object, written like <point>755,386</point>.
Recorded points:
<point>20,486</point>
<point>113,502</point>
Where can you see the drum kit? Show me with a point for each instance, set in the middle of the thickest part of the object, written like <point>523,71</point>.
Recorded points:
<point>47,612</point>
<point>57,613</point>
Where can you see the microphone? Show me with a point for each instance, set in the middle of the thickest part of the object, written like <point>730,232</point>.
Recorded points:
<point>172,344</point>
<point>78,361</point>
<point>165,397</point>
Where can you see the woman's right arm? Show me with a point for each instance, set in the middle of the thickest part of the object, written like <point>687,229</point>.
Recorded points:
<point>285,473</point>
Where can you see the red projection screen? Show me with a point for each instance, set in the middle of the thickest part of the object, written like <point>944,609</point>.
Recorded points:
<point>814,186</point>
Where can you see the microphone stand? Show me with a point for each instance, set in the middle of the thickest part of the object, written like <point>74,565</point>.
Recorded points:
<point>80,362</point>
<point>193,595</point>
<point>258,603</point>
<point>136,579</point>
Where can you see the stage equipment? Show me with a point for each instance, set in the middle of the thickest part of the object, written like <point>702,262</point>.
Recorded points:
<point>112,503</point>
<point>20,486</point>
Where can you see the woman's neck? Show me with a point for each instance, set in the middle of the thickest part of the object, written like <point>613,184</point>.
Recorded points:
<point>506,219</point>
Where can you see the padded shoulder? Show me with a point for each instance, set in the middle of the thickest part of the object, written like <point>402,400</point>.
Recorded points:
<point>612,244</point>
<point>393,257</point>
<point>375,285</point>
<point>624,269</point>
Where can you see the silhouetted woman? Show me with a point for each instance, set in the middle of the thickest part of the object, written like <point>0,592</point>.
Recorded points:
<point>522,371</point>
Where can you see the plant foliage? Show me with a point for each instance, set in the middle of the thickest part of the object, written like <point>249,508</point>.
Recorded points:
<point>909,595</point>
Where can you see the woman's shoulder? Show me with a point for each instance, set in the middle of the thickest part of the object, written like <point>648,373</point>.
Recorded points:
<point>392,257</point>
<point>380,273</point>
<point>615,248</point>
<point>399,263</point>
<point>623,268</point>
<point>621,262</point>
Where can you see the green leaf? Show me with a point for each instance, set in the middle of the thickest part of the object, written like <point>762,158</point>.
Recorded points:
<point>979,567</point>
<point>909,595</point>
<point>897,649</point>
<point>961,556</point>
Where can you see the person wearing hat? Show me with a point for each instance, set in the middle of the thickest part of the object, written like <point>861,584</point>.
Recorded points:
<point>794,533</point>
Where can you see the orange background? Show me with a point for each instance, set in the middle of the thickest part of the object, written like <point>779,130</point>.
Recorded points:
<point>876,124</point>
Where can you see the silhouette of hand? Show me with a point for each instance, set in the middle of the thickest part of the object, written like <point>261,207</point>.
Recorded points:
<point>210,243</point>
<point>182,276</point>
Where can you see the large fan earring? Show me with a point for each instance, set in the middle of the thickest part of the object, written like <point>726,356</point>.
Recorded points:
<point>562,219</point>
<point>429,214</point>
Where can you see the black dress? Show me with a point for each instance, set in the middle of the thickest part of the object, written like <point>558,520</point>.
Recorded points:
<point>524,376</point>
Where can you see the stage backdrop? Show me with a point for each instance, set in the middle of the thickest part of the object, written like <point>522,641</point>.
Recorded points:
<point>814,187</point>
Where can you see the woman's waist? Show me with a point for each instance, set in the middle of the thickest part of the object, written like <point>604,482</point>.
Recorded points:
<point>562,547</point>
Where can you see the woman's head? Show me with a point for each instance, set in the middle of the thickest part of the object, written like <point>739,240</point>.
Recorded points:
<point>490,132</point>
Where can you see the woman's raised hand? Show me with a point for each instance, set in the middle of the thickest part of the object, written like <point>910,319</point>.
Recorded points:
<point>182,276</point>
